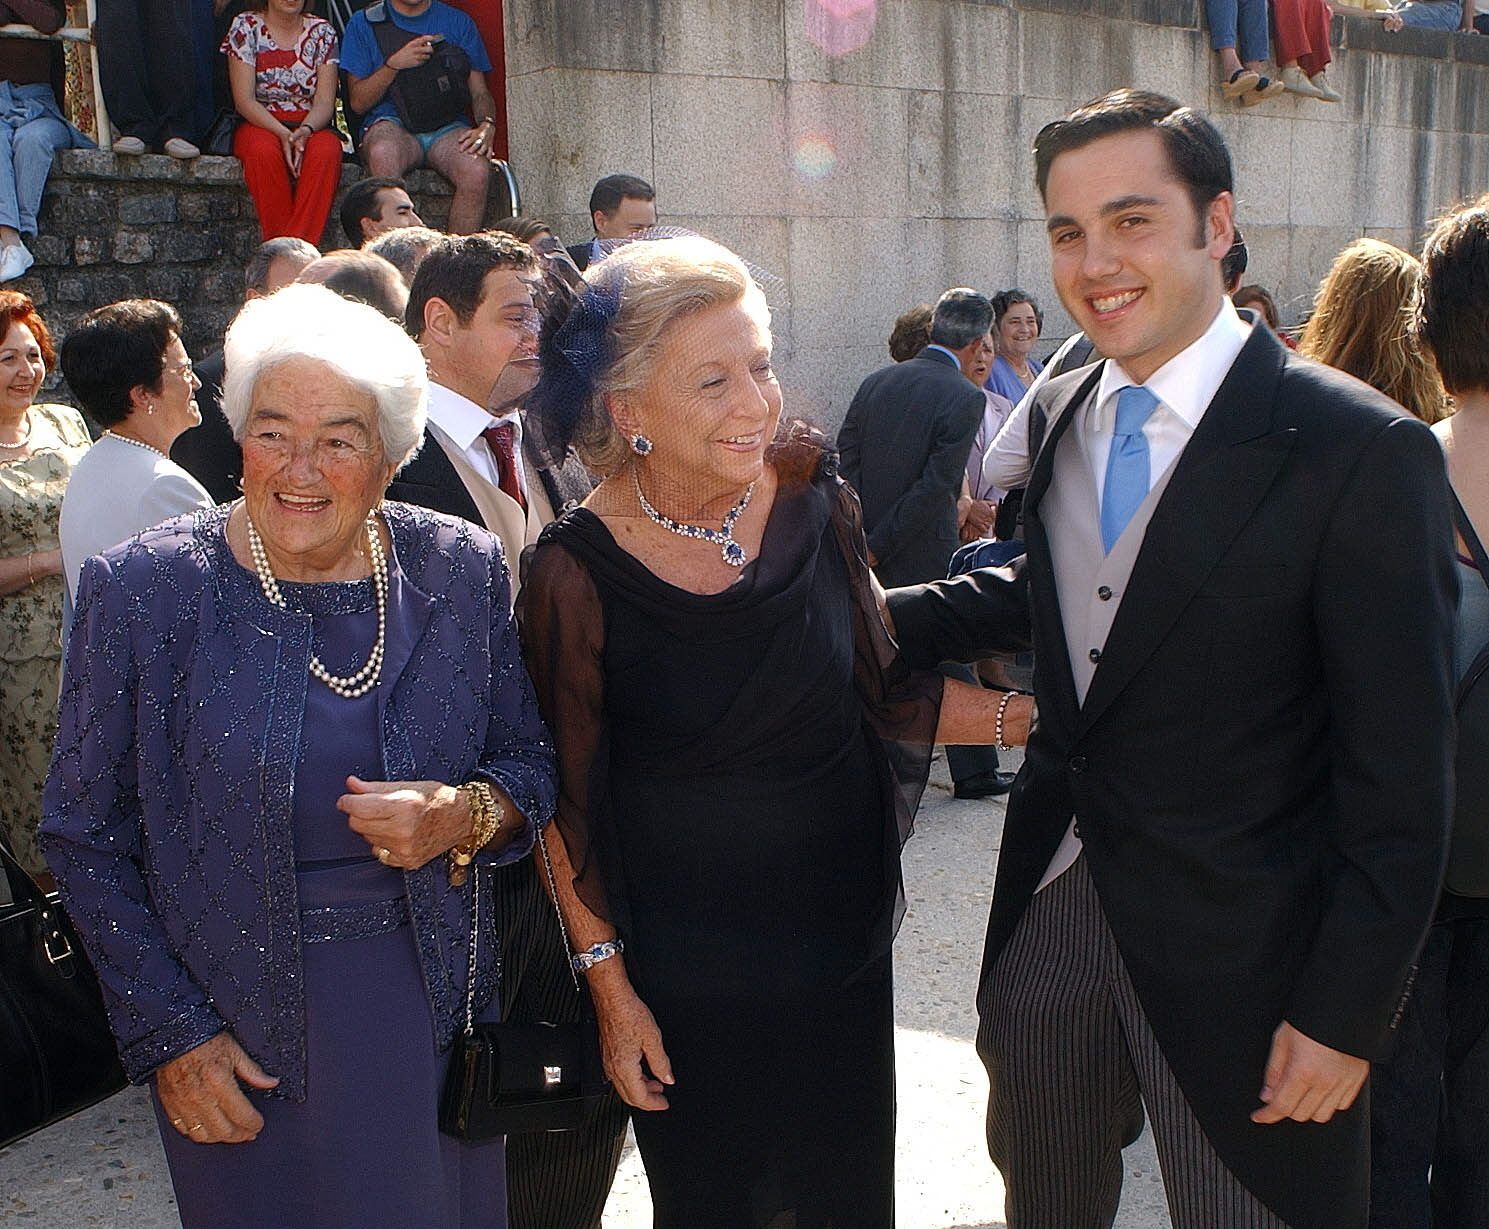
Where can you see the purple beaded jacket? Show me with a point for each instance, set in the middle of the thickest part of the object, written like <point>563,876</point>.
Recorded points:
<point>167,815</point>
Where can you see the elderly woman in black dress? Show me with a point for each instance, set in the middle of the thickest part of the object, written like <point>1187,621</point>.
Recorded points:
<point>706,644</point>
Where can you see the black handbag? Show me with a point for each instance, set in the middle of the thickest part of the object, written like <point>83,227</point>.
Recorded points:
<point>1468,852</point>
<point>518,1079</point>
<point>57,1053</point>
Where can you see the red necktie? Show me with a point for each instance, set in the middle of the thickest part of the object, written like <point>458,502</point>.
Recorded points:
<point>501,439</point>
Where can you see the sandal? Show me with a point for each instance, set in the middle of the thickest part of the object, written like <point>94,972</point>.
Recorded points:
<point>1239,82</point>
<point>1265,88</point>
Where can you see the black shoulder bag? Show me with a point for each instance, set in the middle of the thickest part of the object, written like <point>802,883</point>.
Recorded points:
<point>1468,853</point>
<point>57,1053</point>
<point>517,1079</point>
<point>435,93</point>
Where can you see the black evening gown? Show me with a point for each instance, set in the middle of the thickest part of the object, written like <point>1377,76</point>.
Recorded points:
<point>729,802</point>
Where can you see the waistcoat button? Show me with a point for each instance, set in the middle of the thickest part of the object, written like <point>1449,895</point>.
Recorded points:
<point>1104,593</point>
<point>1095,654</point>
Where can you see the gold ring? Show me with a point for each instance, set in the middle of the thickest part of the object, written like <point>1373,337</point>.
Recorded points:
<point>383,854</point>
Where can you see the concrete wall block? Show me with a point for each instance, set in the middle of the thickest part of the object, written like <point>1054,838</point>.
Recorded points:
<point>1311,250</point>
<point>734,162</point>
<point>818,382</point>
<point>1404,91</point>
<point>845,277</point>
<point>1260,148</point>
<point>592,124</point>
<point>963,151</point>
<point>49,250</point>
<point>1032,273</point>
<point>180,244</point>
<point>847,147</point>
<point>1059,58</point>
<point>977,252</point>
<point>1267,258</point>
<point>133,247</point>
<point>723,37</point>
<point>1388,163</point>
<point>1167,60</point>
<point>1032,114</point>
<point>174,285</point>
<point>1326,172</point>
<point>763,241</point>
<point>533,136</point>
<point>527,29</point>
<point>209,169</point>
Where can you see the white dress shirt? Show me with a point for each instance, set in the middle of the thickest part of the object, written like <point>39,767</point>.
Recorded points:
<point>1184,386</point>
<point>459,422</point>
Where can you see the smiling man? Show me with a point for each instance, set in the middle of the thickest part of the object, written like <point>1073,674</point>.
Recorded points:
<point>1224,847</point>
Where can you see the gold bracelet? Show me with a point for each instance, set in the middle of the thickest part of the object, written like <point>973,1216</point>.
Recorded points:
<point>486,821</point>
<point>30,573</point>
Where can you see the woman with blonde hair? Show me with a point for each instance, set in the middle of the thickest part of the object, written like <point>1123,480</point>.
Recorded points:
<point>1363,323</point>
<point>706,645</point>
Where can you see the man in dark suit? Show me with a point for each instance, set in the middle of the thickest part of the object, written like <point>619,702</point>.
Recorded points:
<point>1225,844</point>
<point>471,310</point>
<point>208,451</point>
<point>904,446</point>
<point>620,207</point>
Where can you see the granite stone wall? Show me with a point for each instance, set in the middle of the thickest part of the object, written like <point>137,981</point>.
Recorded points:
<point>872,154</point>
<point>120,227</point>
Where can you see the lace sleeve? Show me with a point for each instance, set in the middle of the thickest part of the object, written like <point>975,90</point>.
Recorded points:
<point>563,637</point>
<point>901,705</point>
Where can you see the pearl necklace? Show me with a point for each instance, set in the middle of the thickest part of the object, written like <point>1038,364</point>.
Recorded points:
<point>25,439</point>
<point>733,553</point>
<point>125,439</point>
<point>365,679</point>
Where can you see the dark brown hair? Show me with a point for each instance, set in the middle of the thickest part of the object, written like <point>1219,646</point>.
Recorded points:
<point>911,333</point>
<point>115,349</point>
<point>17,308</point>
<point>1265,303</point>
<point>1196,150</point>
<point>455,271</point>
<point>1453,319</point>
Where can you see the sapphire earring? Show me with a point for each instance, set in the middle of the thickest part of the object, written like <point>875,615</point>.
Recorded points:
<point>640,445</point>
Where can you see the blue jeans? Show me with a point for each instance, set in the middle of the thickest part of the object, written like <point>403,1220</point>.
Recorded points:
<point>1429,1108</point>
<point>1227,18</point>
<point>1433,14</point>
<point>31,131</point>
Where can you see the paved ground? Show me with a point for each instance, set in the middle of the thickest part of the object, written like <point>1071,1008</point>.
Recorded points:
<point>104,1168</point>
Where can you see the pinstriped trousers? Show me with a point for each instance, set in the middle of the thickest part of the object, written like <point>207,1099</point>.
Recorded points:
<point>1071,1062</point>
<point>559,1180</point>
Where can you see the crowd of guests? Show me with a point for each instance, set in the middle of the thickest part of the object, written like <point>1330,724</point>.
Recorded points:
<point>328,764</point>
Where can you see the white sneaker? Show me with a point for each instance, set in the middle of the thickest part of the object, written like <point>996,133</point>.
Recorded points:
<point>129,145</point>
<point>180,147</point>
<point>14,261</point>
<point>1326,92</point>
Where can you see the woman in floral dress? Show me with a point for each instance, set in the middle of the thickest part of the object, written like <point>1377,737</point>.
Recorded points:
<point>39,445</point>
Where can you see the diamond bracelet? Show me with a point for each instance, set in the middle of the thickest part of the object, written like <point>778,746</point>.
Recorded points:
<point>584,961</point>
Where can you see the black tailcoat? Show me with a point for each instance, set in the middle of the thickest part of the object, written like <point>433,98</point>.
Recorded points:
<point>1261,768</point>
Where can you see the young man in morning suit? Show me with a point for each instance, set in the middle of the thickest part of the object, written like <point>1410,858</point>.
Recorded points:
<point>1224,847</point>
<point>471,310</point>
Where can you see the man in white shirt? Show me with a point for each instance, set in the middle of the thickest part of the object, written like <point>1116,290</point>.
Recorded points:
<point>1225,844</point>
<point>471,310</point>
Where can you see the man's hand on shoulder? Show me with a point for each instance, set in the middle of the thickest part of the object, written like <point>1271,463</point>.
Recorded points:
<point>1306,1081</point>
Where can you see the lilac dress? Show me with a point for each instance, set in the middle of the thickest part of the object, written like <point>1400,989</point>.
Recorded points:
<point>363,1148</point>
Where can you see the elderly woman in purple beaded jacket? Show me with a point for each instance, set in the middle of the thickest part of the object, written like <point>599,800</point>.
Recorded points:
<point>287,728</point>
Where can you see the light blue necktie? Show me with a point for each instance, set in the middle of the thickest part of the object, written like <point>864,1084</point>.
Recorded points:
<point>1127,473</point>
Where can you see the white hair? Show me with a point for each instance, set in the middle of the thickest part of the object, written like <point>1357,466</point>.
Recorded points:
<point>358,342</point>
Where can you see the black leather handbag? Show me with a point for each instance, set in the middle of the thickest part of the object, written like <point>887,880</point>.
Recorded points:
<point>57,1054</point>
<point>518,1079</point>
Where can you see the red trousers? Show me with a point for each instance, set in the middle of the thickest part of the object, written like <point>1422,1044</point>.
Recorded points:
<point>1300,31</point>
<point>287,205</point>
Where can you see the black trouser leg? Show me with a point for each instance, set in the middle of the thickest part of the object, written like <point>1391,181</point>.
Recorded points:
<point>146,67</point>
<point>559,1180</point>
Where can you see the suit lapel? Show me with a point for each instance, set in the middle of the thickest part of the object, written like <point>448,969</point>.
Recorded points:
<point>1222,475</point>
<point>1044,596</point>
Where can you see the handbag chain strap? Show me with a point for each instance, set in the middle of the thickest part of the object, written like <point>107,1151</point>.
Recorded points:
<point>475,933</point>
<point>475,939</point>
<point>553,896</point>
